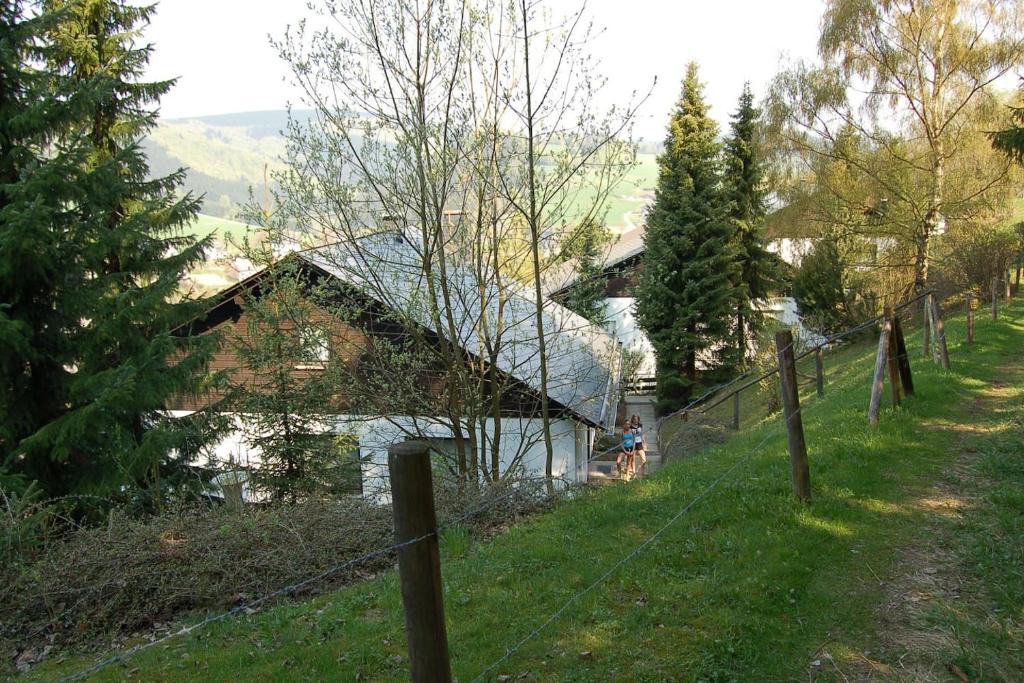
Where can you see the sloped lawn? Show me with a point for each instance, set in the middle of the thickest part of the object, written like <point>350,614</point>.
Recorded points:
<point>748,585</point>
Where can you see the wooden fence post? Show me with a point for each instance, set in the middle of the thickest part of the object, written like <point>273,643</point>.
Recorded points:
<point>878,380</point>
<point>791,411</point>
<point>995,299</point>
<point>903,360</point>
<point>926,328</point>
<point>819,371</point>
<point>419,562</point>
<point>970,318</point>
<point>941,350</point>
<point>736,410</point>
<point>892,359</point>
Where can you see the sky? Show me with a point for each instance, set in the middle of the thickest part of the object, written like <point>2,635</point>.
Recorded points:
<point>220,53</point>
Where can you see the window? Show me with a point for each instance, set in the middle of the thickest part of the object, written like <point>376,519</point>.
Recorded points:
<point>316,348</point>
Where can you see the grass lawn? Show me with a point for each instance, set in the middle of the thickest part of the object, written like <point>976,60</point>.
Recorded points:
<point>907,565</point>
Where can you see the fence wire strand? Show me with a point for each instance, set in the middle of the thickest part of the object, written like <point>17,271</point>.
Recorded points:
<point>293,588</point>
<point>290,589</point>
<point>636,551</point>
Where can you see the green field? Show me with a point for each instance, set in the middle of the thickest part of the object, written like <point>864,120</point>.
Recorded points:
<point>908,564</point>
<point>624,204</point>
<point>224,230</point>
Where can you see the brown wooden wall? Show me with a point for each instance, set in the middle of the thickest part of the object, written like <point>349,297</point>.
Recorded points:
<point>347,343</point>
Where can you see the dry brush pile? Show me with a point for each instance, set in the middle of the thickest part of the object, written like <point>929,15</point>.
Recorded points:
<point>129,576</point>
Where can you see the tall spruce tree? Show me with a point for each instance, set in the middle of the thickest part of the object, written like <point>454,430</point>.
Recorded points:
<point>758,270</point>
<point>131,248</point>
<point>1011,140</point>
<point>42,178</point>
<point>287,346</point>
<point>685,298</point>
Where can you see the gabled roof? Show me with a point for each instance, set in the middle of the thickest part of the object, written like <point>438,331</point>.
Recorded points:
<point>583,360</point>
<point>624,247</point>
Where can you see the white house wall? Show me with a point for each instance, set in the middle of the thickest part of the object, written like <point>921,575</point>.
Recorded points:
<point>520,437</point>
<point>571,442</point>
<point>619,313</point>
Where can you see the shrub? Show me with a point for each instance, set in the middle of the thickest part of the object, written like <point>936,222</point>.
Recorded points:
<point>131,575</point>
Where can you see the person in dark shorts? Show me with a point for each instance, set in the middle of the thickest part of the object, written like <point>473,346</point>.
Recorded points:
<point>626,452</point>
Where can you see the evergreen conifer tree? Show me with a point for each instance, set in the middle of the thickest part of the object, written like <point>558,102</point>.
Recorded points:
<point>288,345</point>
<point>685,298</point>
<point>42,180</point>
<point>758,268</point>
<point>132,246</point>
<point>587,295</point>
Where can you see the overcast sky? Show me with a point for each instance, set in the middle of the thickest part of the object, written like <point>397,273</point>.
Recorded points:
<point>219,50</point>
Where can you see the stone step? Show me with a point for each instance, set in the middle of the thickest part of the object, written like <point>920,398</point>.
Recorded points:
<point>604,471</point>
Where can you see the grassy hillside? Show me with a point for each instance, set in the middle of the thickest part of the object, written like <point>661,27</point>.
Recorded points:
<point>625,203</point>
<point>907,565</point>
<point>226,155</point>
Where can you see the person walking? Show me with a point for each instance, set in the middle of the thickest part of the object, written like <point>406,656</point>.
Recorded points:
<point>640,456</point>
<point>626,452</point>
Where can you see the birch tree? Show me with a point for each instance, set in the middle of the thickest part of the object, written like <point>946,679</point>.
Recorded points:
<point>904,75</point>
<point>417,132</point>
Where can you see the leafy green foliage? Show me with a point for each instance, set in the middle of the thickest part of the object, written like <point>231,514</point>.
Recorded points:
<point>1010,141</point>
<point>39,262</point>
<point>818,287</point>
<point>587,294</point>
<point>685,298</point>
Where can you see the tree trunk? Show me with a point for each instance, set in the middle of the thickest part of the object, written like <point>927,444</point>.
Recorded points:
<point>931,223</point>
<point>534,221</point>
<point>741,338</point>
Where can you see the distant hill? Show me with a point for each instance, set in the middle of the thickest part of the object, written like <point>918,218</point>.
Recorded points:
<point>224,155</point>
<point>227,154</point>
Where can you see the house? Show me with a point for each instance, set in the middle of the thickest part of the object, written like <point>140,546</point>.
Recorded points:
<point>380,281</point>
<point>623,262</point>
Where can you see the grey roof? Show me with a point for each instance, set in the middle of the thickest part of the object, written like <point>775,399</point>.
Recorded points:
<point>583,360</point>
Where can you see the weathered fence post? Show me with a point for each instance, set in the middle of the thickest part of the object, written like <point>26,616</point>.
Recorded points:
<point>736,410</point>
<point>819,371</point>
<point>926,328</point>
<point>419,562</point>
<point>893,362</point>
<point>878,380</point>
<point>791,411</point>
<point>941,350</point>
<point>906,378</point>
<point>995,299</point>
<point>970,318</point>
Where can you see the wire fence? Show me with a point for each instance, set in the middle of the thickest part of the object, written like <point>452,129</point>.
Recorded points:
<point>513,649</point>
<point>299,586</point>
<point>714,397</point>
<point>708,419</point>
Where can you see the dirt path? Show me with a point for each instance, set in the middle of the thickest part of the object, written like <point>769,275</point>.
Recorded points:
<point>930,582</point>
